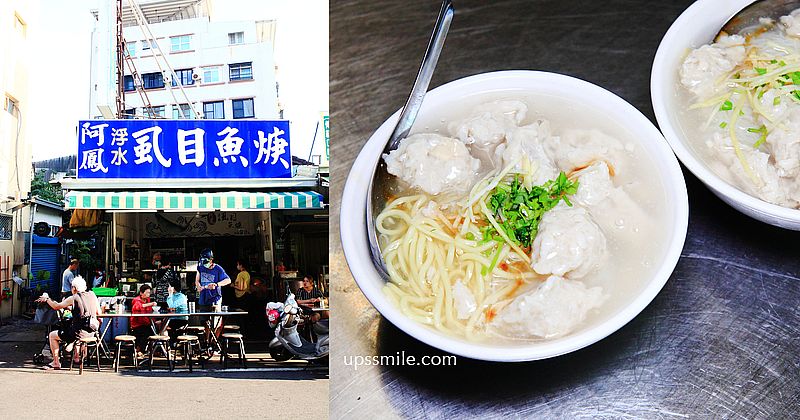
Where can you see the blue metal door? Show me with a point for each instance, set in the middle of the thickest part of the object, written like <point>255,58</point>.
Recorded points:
<point>45,259</point>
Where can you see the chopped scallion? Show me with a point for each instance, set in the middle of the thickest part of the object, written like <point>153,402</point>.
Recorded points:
<point>726,106</point>
<point>762,138</point>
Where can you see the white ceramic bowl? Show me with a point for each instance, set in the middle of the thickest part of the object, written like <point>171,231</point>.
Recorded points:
<point>354,234</point>
<point>695,27</point>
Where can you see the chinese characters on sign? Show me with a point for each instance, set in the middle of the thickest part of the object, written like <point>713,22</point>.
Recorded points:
<point>184,149</point>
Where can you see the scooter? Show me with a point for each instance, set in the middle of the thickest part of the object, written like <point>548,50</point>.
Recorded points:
<point>288,344</point>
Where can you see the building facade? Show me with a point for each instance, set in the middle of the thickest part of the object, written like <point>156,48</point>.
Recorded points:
<point>16,156</point>
<point>222,70</point>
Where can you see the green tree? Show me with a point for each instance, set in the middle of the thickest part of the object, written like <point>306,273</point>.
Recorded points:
<point>45,190</point>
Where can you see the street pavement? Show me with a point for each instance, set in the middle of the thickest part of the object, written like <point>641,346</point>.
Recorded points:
<point>265,389</point>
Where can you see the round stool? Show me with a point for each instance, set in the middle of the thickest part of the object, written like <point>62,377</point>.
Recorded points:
<point>199,331</point>
<point>83,345</point>
<point>232,328</point>
<point>227,338</point>
<point>160,342</point>
<point>127,341</point>
<point>187,343</point>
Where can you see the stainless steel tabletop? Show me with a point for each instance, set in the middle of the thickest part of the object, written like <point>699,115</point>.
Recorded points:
<point>720,340</point>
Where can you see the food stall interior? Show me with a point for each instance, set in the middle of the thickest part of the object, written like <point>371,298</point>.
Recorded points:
<point>296,238</point>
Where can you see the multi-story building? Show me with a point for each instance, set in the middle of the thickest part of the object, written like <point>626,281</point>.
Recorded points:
<point>222,70</point>
<point>16,153</point>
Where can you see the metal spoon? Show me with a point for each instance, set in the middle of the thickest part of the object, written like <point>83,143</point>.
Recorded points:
<point>380,184</point>
<point>747,21</point>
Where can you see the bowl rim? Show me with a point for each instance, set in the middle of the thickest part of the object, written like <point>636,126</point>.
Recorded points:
<point>355,243</point>
<point>659,91</point>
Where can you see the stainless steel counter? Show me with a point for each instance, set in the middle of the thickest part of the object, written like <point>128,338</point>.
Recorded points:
<point>722,339</point>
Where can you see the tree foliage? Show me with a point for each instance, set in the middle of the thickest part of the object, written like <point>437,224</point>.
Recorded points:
<point>45,190</point>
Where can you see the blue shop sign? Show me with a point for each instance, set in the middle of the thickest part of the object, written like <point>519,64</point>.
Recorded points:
<point>184,149</point>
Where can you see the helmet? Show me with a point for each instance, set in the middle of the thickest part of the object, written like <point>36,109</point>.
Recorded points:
<point>273,316</point>
<point>206,256</point>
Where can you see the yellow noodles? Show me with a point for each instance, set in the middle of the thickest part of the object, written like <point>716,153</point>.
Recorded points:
<point>426,254</point>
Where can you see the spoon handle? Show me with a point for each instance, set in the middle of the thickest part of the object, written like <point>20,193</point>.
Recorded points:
<point>409,113</point>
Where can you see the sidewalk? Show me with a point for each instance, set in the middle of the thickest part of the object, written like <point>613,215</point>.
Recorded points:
<point>265,388</point>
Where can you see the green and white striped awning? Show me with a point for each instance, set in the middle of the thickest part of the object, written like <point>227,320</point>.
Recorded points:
<point>175,201</point>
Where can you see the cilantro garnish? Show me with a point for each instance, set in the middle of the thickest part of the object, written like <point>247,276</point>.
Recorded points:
<point>518,210</point>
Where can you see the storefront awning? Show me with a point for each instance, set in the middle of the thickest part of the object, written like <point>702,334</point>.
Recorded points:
<point>174,201</point>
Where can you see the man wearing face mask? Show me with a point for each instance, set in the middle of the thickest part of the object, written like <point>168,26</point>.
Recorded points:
<point>210,278</point>
<point>162,278</point>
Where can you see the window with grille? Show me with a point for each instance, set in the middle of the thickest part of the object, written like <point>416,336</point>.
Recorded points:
<point>131,48</point>
<point>184,77</point>
<point>180,43</point>
<point>128,84</point>
<point>243,108</point>
<point>152,81</point>
<point>184,112</point>
<point>235,38</point>
<point>157,112</point>
<point>213,110</point>
<point>6,225</point>
<point>210,74</point>
<point>241,71</point>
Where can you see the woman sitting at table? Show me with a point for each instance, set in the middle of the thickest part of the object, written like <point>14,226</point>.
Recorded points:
<point>140,325</point>
<point>177,303</point>
<point>84,323</point>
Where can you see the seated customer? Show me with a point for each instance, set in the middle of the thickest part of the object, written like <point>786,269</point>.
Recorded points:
<point>140,325</point>
<point>308,294</point>
<point>84,323</point>
<point>177,303</point>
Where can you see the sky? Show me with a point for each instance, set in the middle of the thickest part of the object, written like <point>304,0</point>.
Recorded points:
<point>59,34</point>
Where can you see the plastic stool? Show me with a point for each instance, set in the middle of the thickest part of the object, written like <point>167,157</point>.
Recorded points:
<point>82,346</point>
<point>128,341</point>
<point>239,340</point>
<point>159,342</point>
<point>187,344</point>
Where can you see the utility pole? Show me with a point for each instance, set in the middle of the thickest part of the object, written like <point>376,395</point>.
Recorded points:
<point>120,65</point>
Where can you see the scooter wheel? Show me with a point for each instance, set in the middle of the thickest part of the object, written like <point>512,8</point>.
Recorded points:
<point>280,354</point>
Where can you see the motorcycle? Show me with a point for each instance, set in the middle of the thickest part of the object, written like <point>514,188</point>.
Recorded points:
<point>285,318</point>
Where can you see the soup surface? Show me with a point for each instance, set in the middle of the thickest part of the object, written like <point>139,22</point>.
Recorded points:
<point>519,217</point>
<point>742,109</point>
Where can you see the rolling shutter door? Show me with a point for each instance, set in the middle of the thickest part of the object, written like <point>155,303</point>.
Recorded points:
<point>45,258</point>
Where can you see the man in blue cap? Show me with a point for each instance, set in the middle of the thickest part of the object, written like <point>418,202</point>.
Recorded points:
<point>210,278</point>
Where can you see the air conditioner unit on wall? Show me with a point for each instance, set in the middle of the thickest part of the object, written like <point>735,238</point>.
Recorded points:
<point>195,77</point>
